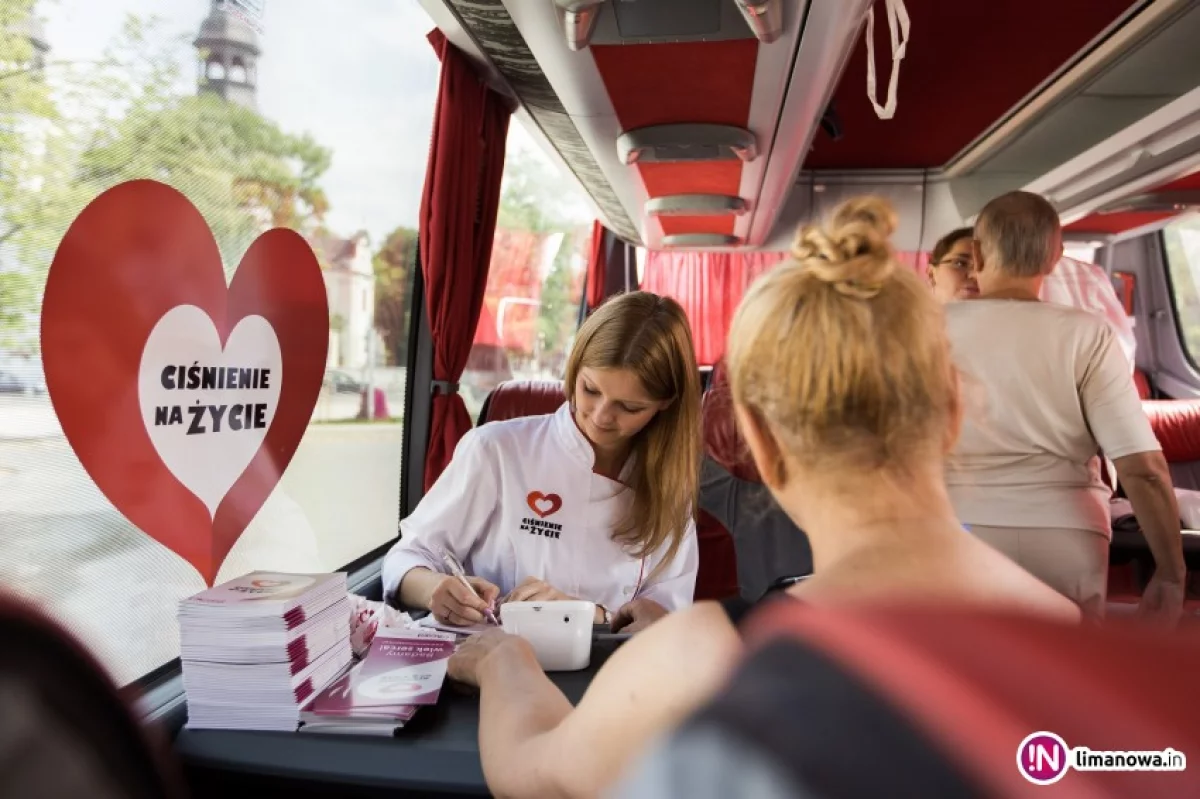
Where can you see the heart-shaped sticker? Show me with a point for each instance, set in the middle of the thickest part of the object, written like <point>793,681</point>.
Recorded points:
<point>183,398</point>
<point>543,504</point>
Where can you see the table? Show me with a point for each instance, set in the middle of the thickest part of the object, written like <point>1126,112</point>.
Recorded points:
<point>437,752</point>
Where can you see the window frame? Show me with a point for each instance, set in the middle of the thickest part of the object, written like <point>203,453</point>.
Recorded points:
<point>1189,359</point>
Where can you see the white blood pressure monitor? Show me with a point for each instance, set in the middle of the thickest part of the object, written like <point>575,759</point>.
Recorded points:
<point>560,632</point>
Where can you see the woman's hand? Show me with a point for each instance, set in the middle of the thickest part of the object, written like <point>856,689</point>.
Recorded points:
<point>451,602</point>
<point>532,589</point>
<point>467,660</point>
<point>1162,601</point>
<point>637,615</point>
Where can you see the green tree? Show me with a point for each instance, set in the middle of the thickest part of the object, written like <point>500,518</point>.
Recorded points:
<point>394,264</point>
<point>559,311</point>
<point>25,107</point>
<point>537,197</point>
<point>240,170</point>
<point>132,115</point>
<point>534,195</point>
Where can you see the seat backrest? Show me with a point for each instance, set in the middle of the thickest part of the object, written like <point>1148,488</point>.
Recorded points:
<point>1143,384</point>
<point>64,728</point>
<point>513,399</point>
<point>941,702</point>
<point>766,545</point>
<point>1176,424</point>
<point>722,442</point>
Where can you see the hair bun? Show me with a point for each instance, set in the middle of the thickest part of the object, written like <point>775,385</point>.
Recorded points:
<point>853,253</point>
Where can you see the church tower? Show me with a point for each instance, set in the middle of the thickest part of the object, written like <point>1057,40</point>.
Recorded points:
<point>228,50</point>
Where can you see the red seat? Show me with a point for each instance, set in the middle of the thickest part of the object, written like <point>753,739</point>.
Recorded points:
<point>1176,424</point>
<point>1142,382</point>
<point>516,398</point>
<point>513,399</point>
<point>723,444</point>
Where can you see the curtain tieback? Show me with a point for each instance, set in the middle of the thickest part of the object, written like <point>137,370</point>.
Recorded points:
<point>442,387</point>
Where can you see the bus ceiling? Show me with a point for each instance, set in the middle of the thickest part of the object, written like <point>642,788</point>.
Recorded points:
<point>723,124</point>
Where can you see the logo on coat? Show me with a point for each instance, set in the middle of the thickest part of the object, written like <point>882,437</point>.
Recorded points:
<point>542,505</point>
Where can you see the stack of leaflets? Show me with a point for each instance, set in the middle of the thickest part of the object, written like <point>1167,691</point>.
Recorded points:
<point>403,670</point>
<point>255,649</point>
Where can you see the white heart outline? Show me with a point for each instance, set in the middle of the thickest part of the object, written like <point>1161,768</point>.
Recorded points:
<point>207,464</point>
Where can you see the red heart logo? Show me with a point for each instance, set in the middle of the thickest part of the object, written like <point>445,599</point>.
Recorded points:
<point>123,320</point>
<point>543,504</point>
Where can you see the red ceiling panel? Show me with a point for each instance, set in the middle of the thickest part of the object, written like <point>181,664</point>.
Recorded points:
<point>1116,223</point>
<point>1128,220</point>
<point>1186,183</point>
<point>657,84</point>
<point>968,62</point>
<point>700,82</point>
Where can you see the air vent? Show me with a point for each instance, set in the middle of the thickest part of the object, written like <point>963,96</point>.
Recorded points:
<point>695,205</point>
<point>700,240</point>
<point>653,19</point>
<point>686,142</point>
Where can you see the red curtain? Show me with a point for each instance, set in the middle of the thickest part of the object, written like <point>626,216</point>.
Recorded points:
<point>458,220</point>
<point>596,268</point>
<point>709,286</point>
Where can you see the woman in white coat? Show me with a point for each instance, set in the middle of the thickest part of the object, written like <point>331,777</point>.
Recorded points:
<point>594,501</point>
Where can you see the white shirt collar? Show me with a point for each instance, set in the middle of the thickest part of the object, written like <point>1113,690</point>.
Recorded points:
<point>577,443</point>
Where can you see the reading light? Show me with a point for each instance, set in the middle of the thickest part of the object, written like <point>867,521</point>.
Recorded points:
<point>765,18</point>
<point>686,142</point>
<point>695,205</point>
<point>700,240</point>
<point>579,21</point>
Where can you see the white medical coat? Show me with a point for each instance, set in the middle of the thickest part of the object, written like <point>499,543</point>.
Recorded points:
<point>519,499</point>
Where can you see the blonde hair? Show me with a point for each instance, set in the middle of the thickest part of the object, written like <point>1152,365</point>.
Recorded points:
<point>843,352</point>
<point>649,335</point>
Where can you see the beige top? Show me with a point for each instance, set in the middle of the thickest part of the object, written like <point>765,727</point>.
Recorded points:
<point>1046,388</point>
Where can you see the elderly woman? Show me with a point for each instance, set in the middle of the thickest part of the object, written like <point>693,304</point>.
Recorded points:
<point>1049,390</point>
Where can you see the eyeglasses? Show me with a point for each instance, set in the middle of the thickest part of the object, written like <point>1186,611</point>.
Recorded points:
<point>961,264</point>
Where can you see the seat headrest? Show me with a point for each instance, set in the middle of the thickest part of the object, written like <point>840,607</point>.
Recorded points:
<point>1176,424</point>
<point>722,442</point>
<point>514,399</point>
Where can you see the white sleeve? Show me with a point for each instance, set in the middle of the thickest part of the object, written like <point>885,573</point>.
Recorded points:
<point>453,515</point>
<point>675,584</point>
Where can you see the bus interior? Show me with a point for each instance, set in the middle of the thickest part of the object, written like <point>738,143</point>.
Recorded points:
<point>698,135</point>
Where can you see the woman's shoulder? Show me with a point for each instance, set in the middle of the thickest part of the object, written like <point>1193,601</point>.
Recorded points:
<point>518,430</point>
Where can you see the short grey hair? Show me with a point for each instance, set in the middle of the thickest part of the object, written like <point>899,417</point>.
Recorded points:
<point>1019,233</point>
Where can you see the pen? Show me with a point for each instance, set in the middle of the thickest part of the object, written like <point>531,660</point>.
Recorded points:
<point>457,570</point>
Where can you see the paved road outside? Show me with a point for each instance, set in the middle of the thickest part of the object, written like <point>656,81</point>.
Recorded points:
<point>64,545</point>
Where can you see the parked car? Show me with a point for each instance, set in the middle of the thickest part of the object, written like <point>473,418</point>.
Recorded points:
<point>21,375</point>
<point>339,382</point>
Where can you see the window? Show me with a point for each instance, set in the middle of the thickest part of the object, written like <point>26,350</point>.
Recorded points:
<point>1181,242</point>
<point>333,148</point>
<point>536,275</point>
<point>1081,251</point>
